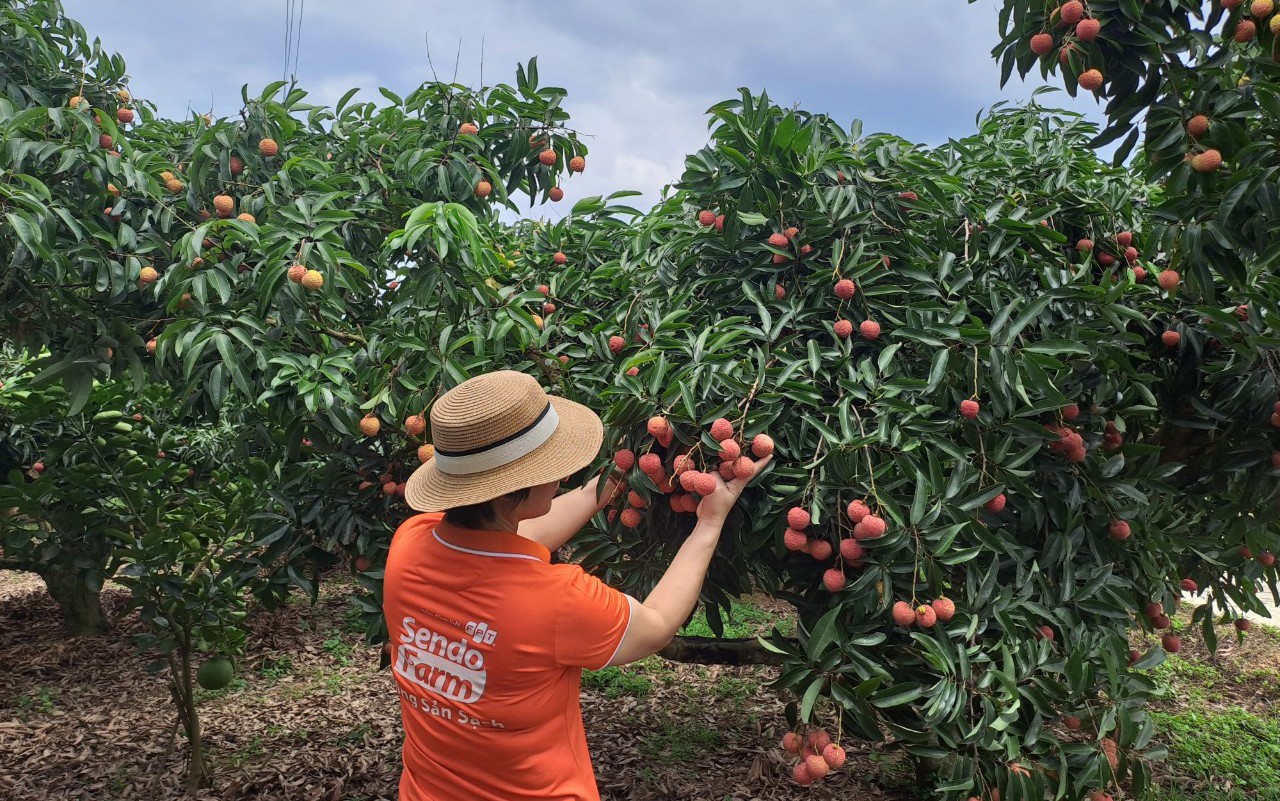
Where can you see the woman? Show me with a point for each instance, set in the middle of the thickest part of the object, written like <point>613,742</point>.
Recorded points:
<point>488,638</point>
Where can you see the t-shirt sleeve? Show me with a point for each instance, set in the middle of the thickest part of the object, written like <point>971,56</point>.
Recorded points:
<point>591,620</point>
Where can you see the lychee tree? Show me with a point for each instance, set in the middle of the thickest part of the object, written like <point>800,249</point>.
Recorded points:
<point>980,397</point>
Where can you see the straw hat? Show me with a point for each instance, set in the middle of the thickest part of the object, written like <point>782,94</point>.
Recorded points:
<point>497,433</point>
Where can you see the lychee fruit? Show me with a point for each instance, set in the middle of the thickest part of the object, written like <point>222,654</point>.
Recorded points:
<point>577,164</point>
<point>77,102</point>
<point>1124,239</point>
<point>706,218</point>
<point>1208,161</point>
<point>1171,339</point>
<point>778,258</point>
<point>1267,559</point>
<point>821,550</point>
<point>223,205</point>
<point>791,742</point>
<point>650,464</point>
<point>1261,9</point>
<point>1090,80</point>
<point>468,129</point>
<point>851,550</point>
<point>845,289</point>
<point>926,618</point>
<point>313,280</point>
<point>415,424</point>
<point>268,148</point>
<point>872,526</point>
<point>996,504</point>
<point>548,308</point>
<point>148,275</point>
<point>945,608</point>
<point>1168,280</point>
<point>630,517</point>
<point>857,511</point>
<point>1131,254</point>
<point>721,429</point>
<point>543,289</point>
<point>794,540</point>
<point>658,426</point>
<point>1189,585</point>
<point>1041,43</point>
<point>1119,530</point>
<point>105,141</point>
<point>705,484</point>
<point>779,292</point>
<point>246,217</point>
<point>124,116</point>
<point>370,425</point>
<point>1139,274</point>
<point>1197,126</point>
<point>617,344</point>
<point>555,193</point>
<point>798,518</point>
<point>151,345</point>
<point>903,614</point>
<point>1171,643</point>
<point>729,451</point>
<point>1246,30</point>
<point>547,157</point>
<point>624,458</point>
<point>235,164</point>
<point>778,240</point>
<point>296,272</point>
<point>969,409</point>
<point>908,196</point>
<point>1070,412</point>
<point>1071,12</point>
<point>833,580</point>
<point>843,328</point>
<point>38,467</point>
<point>800,774</point>
<point>637,500</point>
<point>483,188</point>
<point>1243,624</point>
<point>1045,633</point>
<point>869,329</point>
<point>834,756</point>
<point>1087,29</point>
<point>719,223</point>
<point>426,453</point>
<point>1084,245</point>
<point>761,446</point>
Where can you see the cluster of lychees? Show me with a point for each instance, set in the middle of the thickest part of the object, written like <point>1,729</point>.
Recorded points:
<point>868,329</point>
<point>817,755</point>
<point>685,484</point>
<point>865,526</point>
<point>789,238</point>
<point>926,616</point>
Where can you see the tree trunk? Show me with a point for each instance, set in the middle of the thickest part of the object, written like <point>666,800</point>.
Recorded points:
<point>712,651</point>
<point>81,606</point>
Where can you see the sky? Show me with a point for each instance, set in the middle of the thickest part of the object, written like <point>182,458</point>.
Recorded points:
<point>639,76</point>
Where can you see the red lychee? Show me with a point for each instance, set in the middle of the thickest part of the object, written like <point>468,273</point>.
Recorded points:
<point>903,614</point>
<point>1071,12</point>
<point>1087,29</point>
<point>1071,722</point>
<point>1124,239</point>
<point>483,188</point>
<point>1119,530</point>
<point>577,164</point>
<point>969,409</point>
<point>1246,30</point>
<point>762,445</point>
<point>851,550</point>
<point>1171,339</point>
<point>1208,161</point>
<point>1041,43</point>
<point>548,308</point>
<point>721,429</point>
<point>1243,624</point>
<point>996,504</point>
<point>1090,80</point>
<point>705,484</point>
<point>617,344</point>
<point>650,464</point>
<point>1189,585</point>
<point>843,328</point>
<point>872,526</point>
<point>869,329</point>
<point>945,609</point>
<point>1045,633</point>
<point>124,116</point>
<point>630,517</point>
<point>1168,280</point>
<point>624,458</point>
<point>1171,643</point>
<point>559,258</point>
<point>706,218</point>
<point>1198,126</point>
<point>791,742</point>
<point>1084,245</point>
<point>798,518</point>
<point>370,425</point>
<point>795,540</point>
<point>719,222</point>
<point>415,424</point>
<point>1267,559</point>
<point>468,129</point>
<point>834,756</point>
<point>845,289</point>
<point>556,194</point>
<point>778,240</point>
<point>779,292</point>
<point>821,550</point>
<point>268,148</point>
<point>857,511</point>
<point>833,580</point>
<point>1139,274</point>
<point>547,157</point>
<point>744,468</point>
<point>926,618</point>
<point>800,774</point>
<point>729,451</point>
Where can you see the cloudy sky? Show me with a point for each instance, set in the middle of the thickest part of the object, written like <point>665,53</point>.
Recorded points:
<point>639,75</point>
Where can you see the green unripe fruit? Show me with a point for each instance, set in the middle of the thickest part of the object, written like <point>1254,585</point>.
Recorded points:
<point>215,674</point>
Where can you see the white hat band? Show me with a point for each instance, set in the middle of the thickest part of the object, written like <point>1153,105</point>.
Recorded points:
<point>500,453</point>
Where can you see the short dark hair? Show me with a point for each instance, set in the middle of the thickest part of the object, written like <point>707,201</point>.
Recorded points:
<point>481,515</point>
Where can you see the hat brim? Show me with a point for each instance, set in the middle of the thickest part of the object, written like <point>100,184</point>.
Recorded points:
<point>573,446</point>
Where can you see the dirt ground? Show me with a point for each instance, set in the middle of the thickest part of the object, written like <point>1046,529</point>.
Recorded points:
<point>311,717</point>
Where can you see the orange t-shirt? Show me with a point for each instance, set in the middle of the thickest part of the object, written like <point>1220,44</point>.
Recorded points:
<point>488,642</point>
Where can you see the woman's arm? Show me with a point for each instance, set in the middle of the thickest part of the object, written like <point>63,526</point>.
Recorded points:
<point>570,511</point>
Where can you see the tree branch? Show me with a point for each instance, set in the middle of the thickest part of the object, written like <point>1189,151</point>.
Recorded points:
<point>713,651</point>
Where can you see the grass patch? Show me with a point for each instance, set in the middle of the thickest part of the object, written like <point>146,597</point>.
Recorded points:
<point>745,619</point>
<point>339,649</point>
<point>614,682</point>
<point>1227,746</point>
<point>38,702</point>
<point>680,740</point>
<point>276,668</point>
